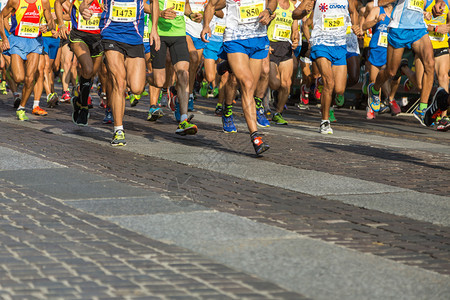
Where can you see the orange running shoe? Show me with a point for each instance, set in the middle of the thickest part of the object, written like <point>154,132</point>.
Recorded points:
<point>39,111</point>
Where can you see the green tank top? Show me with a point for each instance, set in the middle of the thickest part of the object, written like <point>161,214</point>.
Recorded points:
<point>175,27</point>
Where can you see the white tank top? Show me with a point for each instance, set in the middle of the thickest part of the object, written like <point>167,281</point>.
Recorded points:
<point>242,20</point>
<point>194,28</point>
<point>331,19</point>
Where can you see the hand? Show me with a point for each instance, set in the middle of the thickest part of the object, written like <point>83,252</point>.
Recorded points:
<point>265,17</point>
<point>5,44</point>
<point>43,28</point>
<point>55,34</point>
<point>427,16</point>
<point>270,50</point>
<point>86,13</point>
<point>63,32</point>
<point>357,30</point>
<point>381,17</point>
<point>196,17</point>
<point>154,39</point>
<point>443,28</point>
<point>206,31</point>
<point>438,9</point>
<point>168,14</point>
<point>294,44</point>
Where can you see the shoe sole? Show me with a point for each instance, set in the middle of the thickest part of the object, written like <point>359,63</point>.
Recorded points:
<point>262,126</point>
<point>39,114</point>
<point>72,102</point>
<point>154,117</point>
<point>262,150</point>
<point>119,144</point>
<point>53,102</point>
<point>419,119</point>
<point>190,131</point>
<point>84,124</point>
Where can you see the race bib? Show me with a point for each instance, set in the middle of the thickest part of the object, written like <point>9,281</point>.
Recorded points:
<point>123,11</point>
<point>436,36</point>
<point>146,35</point>
<point>197,6</point>
<point>332,23</point>
<point>29,30</point>
<point>249,10</point>
<point>349,29</point>
<point>382,40</point>
<point>282,33</point>
<point>219,29</point>
<point>416,5</point>
<point>92,24</point>
<point>178,6</point>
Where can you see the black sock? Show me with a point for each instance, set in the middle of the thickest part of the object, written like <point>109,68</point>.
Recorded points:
<point>254,134</point>
<point>85,89</point>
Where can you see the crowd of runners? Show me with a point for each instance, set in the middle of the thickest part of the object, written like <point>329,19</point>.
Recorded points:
<point>224,46</point>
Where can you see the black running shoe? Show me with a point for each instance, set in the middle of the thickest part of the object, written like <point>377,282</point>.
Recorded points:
<point>437,106</point>
<point>259,145</point>
<point>83,116</point>
<point>75,101</point>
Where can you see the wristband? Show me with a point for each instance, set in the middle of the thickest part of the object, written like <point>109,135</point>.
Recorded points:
<point>435,28</point>
<point>270,11</point>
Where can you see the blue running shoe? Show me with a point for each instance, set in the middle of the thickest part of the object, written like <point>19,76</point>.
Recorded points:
<point>154,113</point>
<point>191,103</point>
<point>419,114</point>
<point>261,119</point>
<point>108,116</point>
<point>177,113</point>
<point>228,124</point>
<point>373,99</point>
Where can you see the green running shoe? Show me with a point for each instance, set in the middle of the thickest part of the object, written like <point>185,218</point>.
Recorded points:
<point>144,93</point>
<point>215,92</point>
<point>134,99</point>
<point>185,127</point>
<point>204,89</point>
<point>339,99</point>
<point>118,139</point>
<point>154,113</point>
<point>278,119</point>
<point>332,117</point>
<point>20,113</point>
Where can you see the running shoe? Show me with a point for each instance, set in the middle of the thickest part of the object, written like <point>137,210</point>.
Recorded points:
<point>154,113</point>
<point>164,98</point>
<point>172,97</point>
<point>407,85</point>
<point>384,108</point>
<point>118,139</point>
<point>261,119</point>
<point>395,108</point>
<point>259,103</point>
<point>83,116</point>
<point>325,127</point>
<point>204,89</point>
<point>52,100</point>
<point>65,98</point>
<point>3,87</point>
<point>219,109</point>
<point>365,83</point>
<point>332,117</point>
<point>370,114</point>
<point>419,114</point>
<point>103,100</point>
<point>20,114</point>
<point>185,127</point>
<point>144,93</point>
<point>108,116</point>
<point>339,100</point>
<point>215,92</point>
<point>75,101</point>
<point>39,111</point>
<point>177,113</point>
<point>443,124</point>
<point>228,124</point>
<point>278,119</point>
<point>259,145</point>
<point>318,88</point>
<point>373,99</point>
<point>17,101</point>
<point>437,106</point>
<point>90,105</point>
<point>191,103</point>
<point>134,99</point>
<point>304,95</point>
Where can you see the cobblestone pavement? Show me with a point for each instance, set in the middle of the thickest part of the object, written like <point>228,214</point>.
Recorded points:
<point>76,212</point>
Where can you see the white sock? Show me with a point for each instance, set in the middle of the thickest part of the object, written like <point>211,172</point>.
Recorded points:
<point>21,107</point>
<point>183,117</point>
<point>191,95</point>
<point>324,121</point>
<point>118,128</point>
<point>35,103</point>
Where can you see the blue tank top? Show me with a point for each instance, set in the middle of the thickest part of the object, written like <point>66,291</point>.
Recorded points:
<point>408,14</point>
<point>379,32</point>
<point>123,21</point>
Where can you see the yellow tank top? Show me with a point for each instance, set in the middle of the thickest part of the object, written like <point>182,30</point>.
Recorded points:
<point>438,40</point>
<point>280,28</point>
<point>25,20</point>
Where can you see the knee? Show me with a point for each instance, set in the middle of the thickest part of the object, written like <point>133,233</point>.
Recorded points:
<point>286,83</point>
<point>428,64</point>
<point>247,83</point>
<point>18,77</point>
<point>328,82</point>
<point>194,60</point>
<point>183,76</point>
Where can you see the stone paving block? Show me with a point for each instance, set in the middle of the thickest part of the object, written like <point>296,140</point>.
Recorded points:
<point>152,204</point>
<point>15,160</point>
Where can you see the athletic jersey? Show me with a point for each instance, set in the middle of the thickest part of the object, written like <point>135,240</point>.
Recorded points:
<point>331,19</point>
<point>408,14</point>
<point>177,26</point>
<point>147,27</point>
<point>91,25</point>
<point>194,28</point>
<point>217,26</point>
<point>44,21</point>
<point>242,20</point>
<point>379,32</point>
<point>25,20</point>
<point>123,21</point>
<point>280,28</point>
<point>439,40</point>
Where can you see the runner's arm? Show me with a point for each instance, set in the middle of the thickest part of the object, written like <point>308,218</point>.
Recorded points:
<point>196,17</point>
<point>354,18</point>
<point>386,2</point>
<point>303,9</point>
<point>371,19</point>
<point>295,35</point>
<point>154,36</point>
<point>84,9</point>
<point>305,26</point>
<point>6,12</point>
<point>210,8</point>
<point>48,16</point>
<point>63,30</point>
